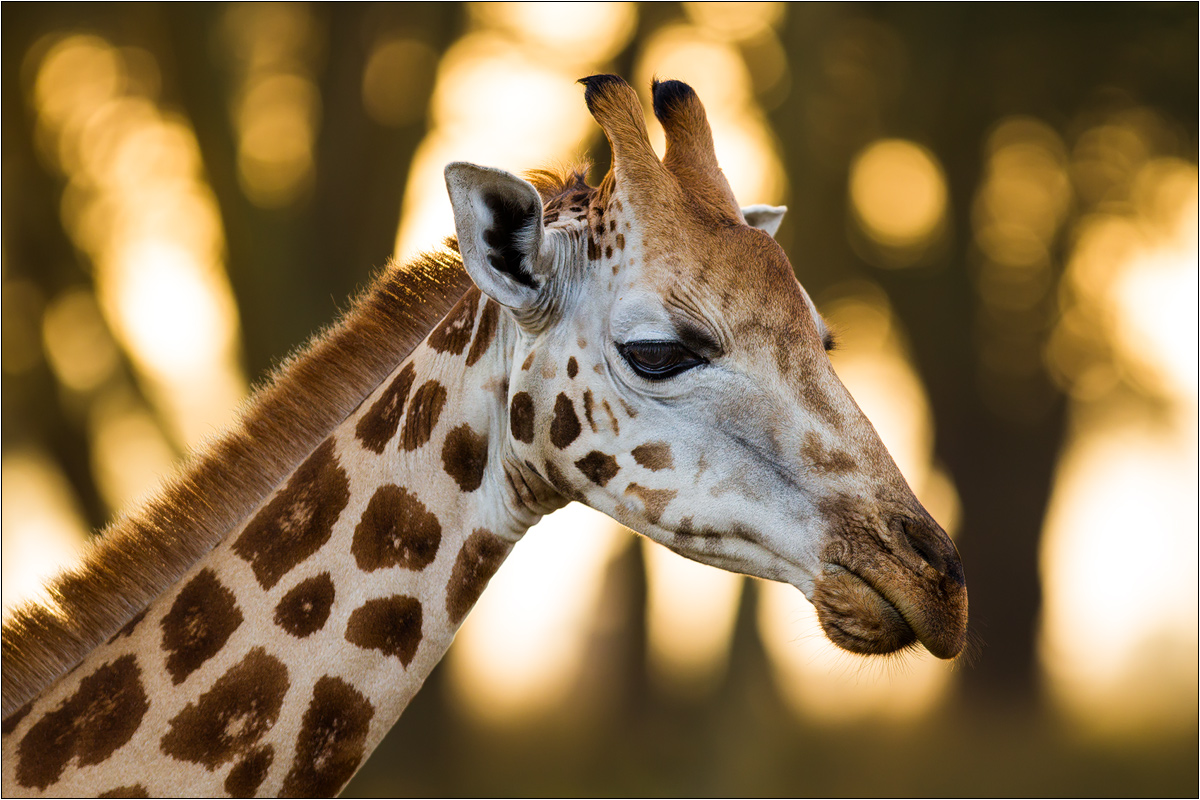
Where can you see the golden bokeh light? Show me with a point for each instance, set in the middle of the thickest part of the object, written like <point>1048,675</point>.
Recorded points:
<point>1119,548</point>
<point>573,35</point>
<point>691,609</point>
<point>898,195</point>
<point>170,307</point>
<point>1018,213</point>
<point>395,81</point>
<point>525,642</point>
<point>21,309</point>
<point>1118,560</point>
<point>138,206</point>
<point>43,527</point>
<point>78,345</point>
<point>276,107</point>
<point>816,679</point>
<point>129,453</point>
<point>737,21</point>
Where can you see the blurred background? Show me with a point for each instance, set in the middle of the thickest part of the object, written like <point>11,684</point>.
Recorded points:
<point>995,206</point>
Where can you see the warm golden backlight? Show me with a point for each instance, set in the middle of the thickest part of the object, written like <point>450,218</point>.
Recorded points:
<point>43,528</point>
<point>691,609</point>
<point>137,205</point>
<point>276,105</point>
<point>1119,551</point>
<point>898,193</point>
<point>525,643</point>
<point>394,83</point>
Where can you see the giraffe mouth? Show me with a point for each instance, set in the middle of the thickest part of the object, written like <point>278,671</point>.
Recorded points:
<point>858,617</point>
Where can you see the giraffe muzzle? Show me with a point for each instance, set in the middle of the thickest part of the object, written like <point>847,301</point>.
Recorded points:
<point>885,593</point>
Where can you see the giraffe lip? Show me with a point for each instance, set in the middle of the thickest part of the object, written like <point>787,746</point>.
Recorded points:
<point>859,617</point>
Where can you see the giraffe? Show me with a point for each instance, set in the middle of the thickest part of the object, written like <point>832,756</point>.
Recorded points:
<point>642,347</point>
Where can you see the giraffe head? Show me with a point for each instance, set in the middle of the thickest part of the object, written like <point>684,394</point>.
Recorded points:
<point>671,372</point>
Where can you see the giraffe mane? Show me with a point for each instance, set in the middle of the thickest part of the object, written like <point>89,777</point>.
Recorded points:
<point>552,184</point>
<point>145,551</point>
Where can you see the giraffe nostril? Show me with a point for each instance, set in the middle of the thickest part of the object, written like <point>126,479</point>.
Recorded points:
<point>923,542</point>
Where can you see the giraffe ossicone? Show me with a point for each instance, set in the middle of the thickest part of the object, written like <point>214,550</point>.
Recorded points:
<point>642,347</point>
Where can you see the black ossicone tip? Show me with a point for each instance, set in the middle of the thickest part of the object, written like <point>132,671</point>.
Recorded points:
<point>596,84</point>
<point>668,96</point>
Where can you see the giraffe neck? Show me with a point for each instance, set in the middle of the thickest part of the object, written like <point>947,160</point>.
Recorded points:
<point>281,658</point>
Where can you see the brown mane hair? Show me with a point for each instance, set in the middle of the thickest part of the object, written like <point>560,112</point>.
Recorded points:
<point>144,552</point>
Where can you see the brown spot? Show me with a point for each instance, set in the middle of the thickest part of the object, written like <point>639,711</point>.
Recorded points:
<point>593,249</point>
<point>202,618</point>
<point>477,562</point>
<point>589,403</point>
<point>608,251</point>
<point>230,718</point>
<point>454,332</point>
<point>304,610</point>
<point>465,456</point>
<point>629,410</point>
<point>817,400</point>
<point>612,418</point>
<point>485,333</point>
<point>559,481</point>
<point>377,427</point>
<point>90,726</point>
<point>520,417</point>
<point>249,773</point>
<point>391,625</point>
<point>655,500</point>
<point>612,224</point>
<point>684,528</point>
<point>528,362</point>
<point>598,467</point>
<point>332,741</point>
<point>564,428</point>
<point>14,719</point>
<point>822,460</point>
<point>298,520</point>
<point>654,456</point>
<point>582,342</point>
<point>128,628</point>
<point>572,367</point>
<point>620,241</point>
<point>396,530</point>
<point>423,413</point>
<point>134,790</point>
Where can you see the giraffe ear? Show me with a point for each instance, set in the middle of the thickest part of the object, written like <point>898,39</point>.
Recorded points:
<point>498,218</point>
<point>764,217</point>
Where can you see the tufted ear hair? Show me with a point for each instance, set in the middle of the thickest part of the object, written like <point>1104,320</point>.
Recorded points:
<point>498,218</point>
<point>764,217</point>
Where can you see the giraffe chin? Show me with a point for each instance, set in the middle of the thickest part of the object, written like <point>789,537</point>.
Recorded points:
<point>858,618</point>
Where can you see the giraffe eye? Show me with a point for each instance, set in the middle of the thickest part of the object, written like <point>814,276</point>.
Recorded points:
<point>658,360</point>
